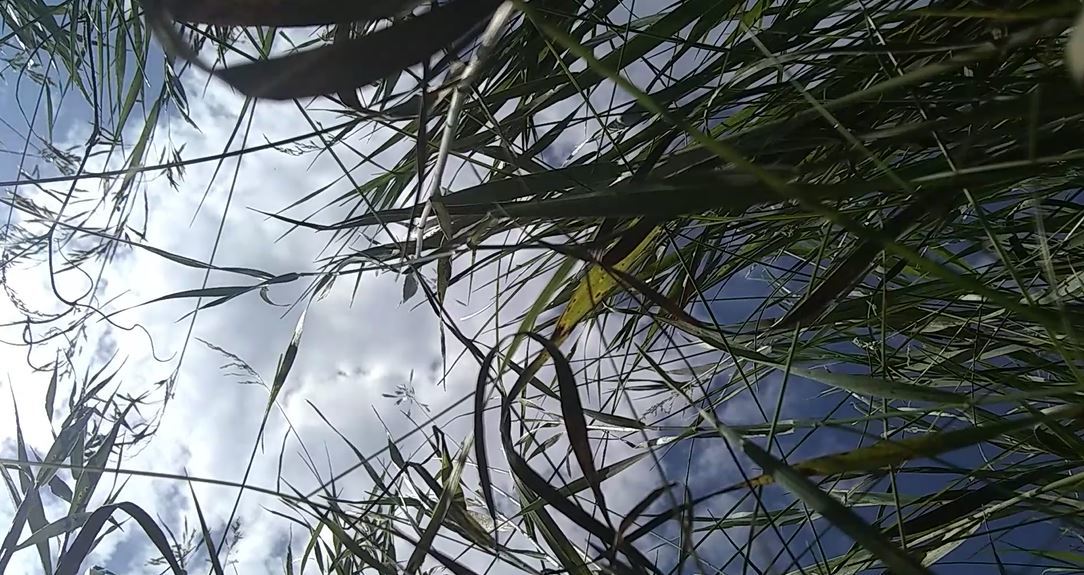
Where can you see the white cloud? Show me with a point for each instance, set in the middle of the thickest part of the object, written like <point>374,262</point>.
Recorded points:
<point>357,344</point>
<point>353,348</point>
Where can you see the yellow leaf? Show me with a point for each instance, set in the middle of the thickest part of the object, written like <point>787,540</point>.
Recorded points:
<point>597,284</point>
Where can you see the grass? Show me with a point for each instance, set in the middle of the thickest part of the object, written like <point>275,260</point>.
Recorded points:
<point>729,203</point>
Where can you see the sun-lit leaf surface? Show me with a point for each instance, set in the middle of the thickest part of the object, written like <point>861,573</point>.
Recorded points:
<point>1074,51</point>
<point>594,287</point>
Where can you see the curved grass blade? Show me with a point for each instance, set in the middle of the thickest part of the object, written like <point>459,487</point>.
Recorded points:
<point>335,68</point>
<point>72,559</point>
<point>481,458</point>
<point>534,482</point>
<point>572,414</point>
<point>575,424</point>
<point>223,293</point>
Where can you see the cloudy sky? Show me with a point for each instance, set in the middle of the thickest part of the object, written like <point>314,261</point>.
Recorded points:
<point>359,342</point>
<point>355,347</point>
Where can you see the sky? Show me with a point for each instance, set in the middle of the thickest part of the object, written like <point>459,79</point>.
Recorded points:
<point>358,344</point>
<point>355,348</point>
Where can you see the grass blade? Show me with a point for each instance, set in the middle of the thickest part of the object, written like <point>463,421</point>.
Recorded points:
<point>281,13</point>
<point>72,559</point>
<point>349,65</point>
<point>208,541</point>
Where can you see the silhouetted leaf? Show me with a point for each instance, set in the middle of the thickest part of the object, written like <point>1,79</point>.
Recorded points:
<point>208,540</point>
<point>410,286</point>
<point>451,490</point>
<point>335,68</point>
<point>281,13</point>
<point>50,392</point>
<point>575,424</point>
<point>86,481</point>
<point>286,362</point>
<point>59,527</point>
<point>521,469</point>
<point>72,559</point>
<point>60,489</point>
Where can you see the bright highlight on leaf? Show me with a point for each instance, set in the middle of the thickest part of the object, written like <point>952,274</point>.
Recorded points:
<point>1074,51</point>
<point>595,286</point>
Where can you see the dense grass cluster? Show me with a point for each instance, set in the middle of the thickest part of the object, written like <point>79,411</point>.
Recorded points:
<point>877,201</point>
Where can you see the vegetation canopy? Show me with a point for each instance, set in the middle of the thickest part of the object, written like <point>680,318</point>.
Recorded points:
<point>770,286</point>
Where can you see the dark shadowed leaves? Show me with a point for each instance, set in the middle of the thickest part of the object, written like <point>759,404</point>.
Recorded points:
<point>281,13</point>
<point>894,453</point>
<point>346,65</point>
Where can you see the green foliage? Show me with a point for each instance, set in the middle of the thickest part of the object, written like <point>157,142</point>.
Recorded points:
<point>897,183</point>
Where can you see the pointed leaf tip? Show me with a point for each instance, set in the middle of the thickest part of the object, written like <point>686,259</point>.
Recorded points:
<point>410,286</point>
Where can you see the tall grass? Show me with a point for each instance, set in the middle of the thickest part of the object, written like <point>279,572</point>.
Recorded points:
<point>728,203</point>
